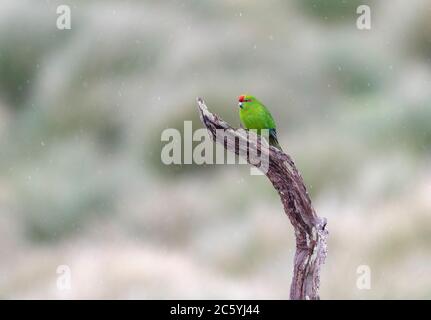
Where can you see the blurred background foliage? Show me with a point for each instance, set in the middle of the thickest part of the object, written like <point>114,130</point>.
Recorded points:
<point>82,112</point>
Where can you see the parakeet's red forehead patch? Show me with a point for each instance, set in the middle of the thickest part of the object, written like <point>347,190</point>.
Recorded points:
<point>241,98</point>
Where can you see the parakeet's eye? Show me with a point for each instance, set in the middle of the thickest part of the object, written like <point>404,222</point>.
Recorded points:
<point>247,100</point>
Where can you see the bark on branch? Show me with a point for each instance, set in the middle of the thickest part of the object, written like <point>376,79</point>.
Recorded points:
<point>310,230</point>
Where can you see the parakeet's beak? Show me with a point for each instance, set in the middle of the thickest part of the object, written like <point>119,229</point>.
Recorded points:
<point>240,105</point>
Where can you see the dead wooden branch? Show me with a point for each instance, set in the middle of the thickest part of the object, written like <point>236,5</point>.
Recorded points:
<point>310,230</point>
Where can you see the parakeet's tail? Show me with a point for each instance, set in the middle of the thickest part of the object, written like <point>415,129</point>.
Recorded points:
<point>273,141</point>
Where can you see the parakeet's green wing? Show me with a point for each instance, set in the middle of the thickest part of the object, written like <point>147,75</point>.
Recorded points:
<point>267,122</point>
<point>258,117</point>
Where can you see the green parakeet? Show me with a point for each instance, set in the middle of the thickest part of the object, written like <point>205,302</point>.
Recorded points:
<point>254,115</point>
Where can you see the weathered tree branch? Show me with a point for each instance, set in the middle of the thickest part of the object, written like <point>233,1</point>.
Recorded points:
<point>310,230</point>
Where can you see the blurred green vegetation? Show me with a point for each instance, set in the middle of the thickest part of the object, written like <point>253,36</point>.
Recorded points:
<point>82,113</point>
